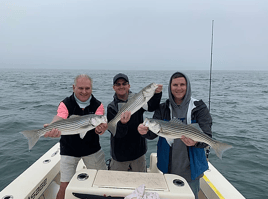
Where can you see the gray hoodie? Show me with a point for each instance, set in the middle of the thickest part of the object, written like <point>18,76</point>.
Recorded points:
<point>180,111</point>
<point>180,161</point>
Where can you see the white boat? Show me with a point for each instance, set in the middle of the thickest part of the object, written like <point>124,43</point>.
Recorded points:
<point>42,179</point>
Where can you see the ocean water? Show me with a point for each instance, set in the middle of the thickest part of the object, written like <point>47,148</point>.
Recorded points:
<point>239,108</point>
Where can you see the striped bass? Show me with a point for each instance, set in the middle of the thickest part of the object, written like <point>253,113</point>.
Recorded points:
<point>73,125</point>
<point>175,129</point>
<point>134,104</point>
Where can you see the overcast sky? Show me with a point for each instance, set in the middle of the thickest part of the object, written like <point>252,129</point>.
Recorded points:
<point>134,34</point>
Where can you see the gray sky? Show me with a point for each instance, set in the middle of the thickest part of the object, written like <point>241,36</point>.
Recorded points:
<point>134,34</point>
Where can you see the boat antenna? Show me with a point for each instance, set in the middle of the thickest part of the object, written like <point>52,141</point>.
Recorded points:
<point>211,49</point>
<point>208,147</point>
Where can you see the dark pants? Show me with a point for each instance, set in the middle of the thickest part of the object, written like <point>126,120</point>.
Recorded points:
<point>195,186</point>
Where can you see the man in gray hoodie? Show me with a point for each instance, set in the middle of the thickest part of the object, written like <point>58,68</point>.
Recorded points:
<point>182,156</point>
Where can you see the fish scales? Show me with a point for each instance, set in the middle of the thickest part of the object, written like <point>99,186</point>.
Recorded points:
<point>133,104</point>
<point>70,126</point>
<point>188,131</point>
<point>133,107</point>
<point>175,130</point>
<point>62,125</point>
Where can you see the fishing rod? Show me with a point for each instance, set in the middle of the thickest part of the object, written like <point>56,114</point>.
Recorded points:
<point>211,49</point>
<point>209,96</point>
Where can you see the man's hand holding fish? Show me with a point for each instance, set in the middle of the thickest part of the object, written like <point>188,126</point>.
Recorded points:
<point>101,128</point>
<point>54,133</point>
<point>188,141</point>
<point>143,130</point>
<point>125,117</point>
<point>159,88</point>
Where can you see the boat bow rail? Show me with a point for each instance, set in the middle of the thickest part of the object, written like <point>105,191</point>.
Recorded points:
<point>32,183</point>
<point>215,186</point>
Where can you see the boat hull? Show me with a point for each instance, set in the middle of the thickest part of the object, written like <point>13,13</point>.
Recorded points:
<point>42,180</point>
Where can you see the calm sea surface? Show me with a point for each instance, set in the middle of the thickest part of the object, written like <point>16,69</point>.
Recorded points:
<point>239,108</point>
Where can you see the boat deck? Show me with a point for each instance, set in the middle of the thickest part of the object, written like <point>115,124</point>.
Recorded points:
<point>41,180</point>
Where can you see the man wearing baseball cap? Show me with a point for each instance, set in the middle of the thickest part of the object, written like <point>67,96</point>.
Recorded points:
<point>128,147</point>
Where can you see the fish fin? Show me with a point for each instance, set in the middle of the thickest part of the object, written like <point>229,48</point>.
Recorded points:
<point>84,129</point>
<point>220,147</point>
<point>120,105</point>
<point>82,135</point>
<point>170,141</point>
<point>87,126</point>
<point>32,136</point>
<point>112,128</point>
<point>145,106</point>
<point>74,116</point>
<point>196,126</point>
<point>131,95</point>
<point>176,120</point>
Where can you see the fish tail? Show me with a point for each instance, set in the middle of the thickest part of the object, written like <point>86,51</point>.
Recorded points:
<point>112,128</point>
<point>32,137</point>
<point>220,147</point>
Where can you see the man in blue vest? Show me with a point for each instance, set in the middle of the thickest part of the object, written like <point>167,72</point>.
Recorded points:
<point>184,156</point>
<point>72,147</point>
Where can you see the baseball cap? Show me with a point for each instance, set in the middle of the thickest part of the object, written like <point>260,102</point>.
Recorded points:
<point>120,76</point>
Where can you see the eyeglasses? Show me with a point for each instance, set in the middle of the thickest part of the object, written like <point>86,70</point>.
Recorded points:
<point>119,84</point>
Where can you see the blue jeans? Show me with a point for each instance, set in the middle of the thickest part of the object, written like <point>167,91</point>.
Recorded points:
<point>195,186</point>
